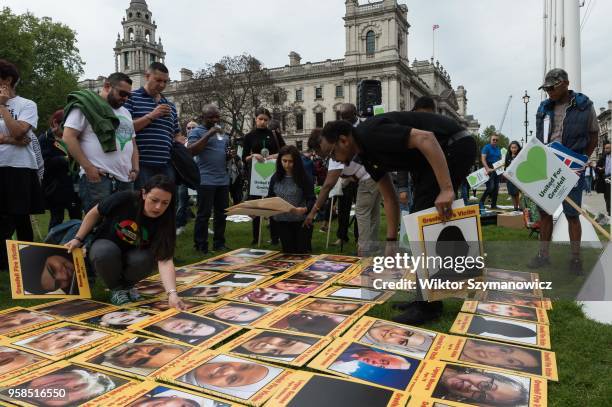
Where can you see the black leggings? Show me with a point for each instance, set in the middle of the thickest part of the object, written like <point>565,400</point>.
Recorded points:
<point>120,270</point>
<point>294,238</point>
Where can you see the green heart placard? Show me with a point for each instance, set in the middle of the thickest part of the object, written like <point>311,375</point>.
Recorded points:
<point>533,169</point>
<point>265,170</point>
<point>472,179</point>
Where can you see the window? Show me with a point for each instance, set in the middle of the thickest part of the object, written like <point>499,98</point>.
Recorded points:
<point>299,122</point>
<point>318,92</point>
<point>339,91</point>
<point>299,95</point>
<point>126,60</point>
<point>338,115</point>
<point>370,43</point>
<point>299,144</point>
<point>319,120</point>
<point>152,57</point>
<point>276,98</point>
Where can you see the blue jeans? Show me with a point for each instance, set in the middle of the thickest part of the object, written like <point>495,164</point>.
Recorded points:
<point>465,192</point>
<point>147,171</point>
<point>91,193</point>
<point>576,196</point>
<point>492,190</point>
<point>588,181</point>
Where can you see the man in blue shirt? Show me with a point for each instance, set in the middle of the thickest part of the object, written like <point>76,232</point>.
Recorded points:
<point>489,155</point>
<point>156,124</point>
<point>211,146</point>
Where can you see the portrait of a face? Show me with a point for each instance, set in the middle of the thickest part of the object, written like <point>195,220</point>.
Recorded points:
<point>232,376</point>
<point>71,308</point>
<point>506,275</point>
<point>120,319</point>
<point>502,355</point>
<point>296,286</point>
<point>334,307</point>
<point>13,359</point>
<point>207,292</point>
<point>150,288</point>
<point>79,383</point>
<point>328,266</point>
<point>267,296</point>
<point>481,387</point>
<point>162,396</point>
<point>62,339</point>
<point>507,310</point>
<point>312,276</point>
<point>276,345</point>
<point>187,328</point>
<point>310,322</point>
<point>47,270</point>
<point>238,280</point>
<point>162,305</point>
<point>510,298</point>
<point>19,319</point>
<point>239,314</point>
<point>404,339</point>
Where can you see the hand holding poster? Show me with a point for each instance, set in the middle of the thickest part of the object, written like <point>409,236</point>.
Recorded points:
<point>261,174</point>
<point>478,177</point>
<point>540,175</point>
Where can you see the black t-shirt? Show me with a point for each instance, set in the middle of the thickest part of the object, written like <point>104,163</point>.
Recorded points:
<point>257,139</point>
<point>383,140</point>
<point>120,222</point>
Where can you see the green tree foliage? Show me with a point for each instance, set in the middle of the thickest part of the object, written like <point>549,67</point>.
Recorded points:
<point>46,56</point>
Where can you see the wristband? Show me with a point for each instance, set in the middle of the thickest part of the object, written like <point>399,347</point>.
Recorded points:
<point>171,292</point>
<point>79,239</point>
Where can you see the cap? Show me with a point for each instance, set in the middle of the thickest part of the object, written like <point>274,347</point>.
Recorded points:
<point>553,77</point>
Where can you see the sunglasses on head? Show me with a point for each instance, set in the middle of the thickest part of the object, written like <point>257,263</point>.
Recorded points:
<point>549,88</point>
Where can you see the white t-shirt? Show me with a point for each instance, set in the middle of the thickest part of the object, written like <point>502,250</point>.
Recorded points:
<point>117,163</point>
<point>23,110</point>
<point>353,169</point>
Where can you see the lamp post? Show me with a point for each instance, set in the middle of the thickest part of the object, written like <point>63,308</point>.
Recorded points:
<point>526,101</point>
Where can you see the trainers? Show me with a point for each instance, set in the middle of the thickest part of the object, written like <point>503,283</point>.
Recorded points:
<point>180,230</point>
<point>119,297</point>
<point>134,294</point>
<point>538,261</point>
<point>575,266</point>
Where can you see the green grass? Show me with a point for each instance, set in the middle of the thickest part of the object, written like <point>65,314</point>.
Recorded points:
<point>583,347</point>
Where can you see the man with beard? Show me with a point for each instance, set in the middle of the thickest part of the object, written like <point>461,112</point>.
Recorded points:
<point>146,355</point>
<point>99,133</point>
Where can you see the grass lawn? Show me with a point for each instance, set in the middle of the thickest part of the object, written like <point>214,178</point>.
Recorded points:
<point>583,347</point>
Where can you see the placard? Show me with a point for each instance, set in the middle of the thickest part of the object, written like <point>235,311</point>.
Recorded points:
<point>40,270</point>
<point>506,310</point>
<point>16,362</point>
<point>306,322</point>
<point>236,313</point>
<point>514,298</point>
<point>74,308</point>
<point>354,309</point>
<point>261,174</point>
<point>356,294</point>
<point>18,320</point>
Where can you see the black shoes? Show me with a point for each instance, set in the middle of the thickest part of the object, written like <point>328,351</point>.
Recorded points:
<point>418,312</point>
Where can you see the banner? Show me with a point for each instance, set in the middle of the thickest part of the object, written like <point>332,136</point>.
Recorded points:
<point>261,174</point>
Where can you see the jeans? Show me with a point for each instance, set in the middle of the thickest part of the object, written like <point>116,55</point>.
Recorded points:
<point>92,193</point>
<point>182,209</point>
<point>588,181</point>
<point>120,270</point>
<point>211,197</point>
<point>492,190</point>
<point>148,171</point>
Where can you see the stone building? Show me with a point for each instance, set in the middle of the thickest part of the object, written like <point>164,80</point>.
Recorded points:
<point>605,129</point>
<point>376,48</point>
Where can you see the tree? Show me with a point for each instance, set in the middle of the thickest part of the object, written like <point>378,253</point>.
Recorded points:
<point>237,85</point>
<point>46,56</point>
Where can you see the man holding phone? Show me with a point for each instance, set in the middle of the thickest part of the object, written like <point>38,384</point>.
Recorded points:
<point>156,124</point>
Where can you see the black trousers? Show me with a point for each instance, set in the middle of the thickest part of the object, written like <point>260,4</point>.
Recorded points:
<point>345,202</point>
<point>211,197</point>
<point>255,225</point>
<point>120,270</point>
<point>492,190</point>
<point>294,237</point>
<point>57,213</point>
<point>607,198</point>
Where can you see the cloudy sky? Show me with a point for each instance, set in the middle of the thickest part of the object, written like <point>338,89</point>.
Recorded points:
<point>492,47</point>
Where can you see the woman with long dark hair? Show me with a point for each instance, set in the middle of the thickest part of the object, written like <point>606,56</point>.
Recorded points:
<point>291,183</point>
<point>260,144</point>
<point>513,150</point>
<point>136,229</point>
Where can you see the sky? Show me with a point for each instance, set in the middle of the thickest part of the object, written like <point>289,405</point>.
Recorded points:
<point>491,47</point>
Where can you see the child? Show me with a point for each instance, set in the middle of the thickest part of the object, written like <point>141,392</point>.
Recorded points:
<point>291,183</point>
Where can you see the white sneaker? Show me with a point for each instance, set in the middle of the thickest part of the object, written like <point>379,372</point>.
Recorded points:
<point>180,230</point>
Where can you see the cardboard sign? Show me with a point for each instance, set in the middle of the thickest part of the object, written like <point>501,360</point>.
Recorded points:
<point>477,178</point>
<point>261,174</point>
<point>506,310</point>
<point>540,175</point>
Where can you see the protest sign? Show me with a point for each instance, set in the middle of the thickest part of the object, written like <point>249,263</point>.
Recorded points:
<point>540,175</point>
<point>261,174</point>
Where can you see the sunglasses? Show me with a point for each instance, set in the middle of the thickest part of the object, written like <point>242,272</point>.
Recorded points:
<point>123,93</point>
<point>549,88</point>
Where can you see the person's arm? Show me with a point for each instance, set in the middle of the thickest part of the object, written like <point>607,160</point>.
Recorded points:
<point>403,186</point>
<point>71,138</point>
<point>391,205</point>
<point>330,182</point>
<point>483,160</point>
<point>90,220</point>
<point>167,274</point>
<point>426,143</point>
<point>159,111</point>
<point>17,129</point>
<point>196,147</point>
<point>135,161</point>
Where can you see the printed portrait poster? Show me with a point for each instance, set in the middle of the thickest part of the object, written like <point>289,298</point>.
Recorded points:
<point>206,292</point>
<point>306,322</point>
<point>89,387</point>
<point>185,328</point>
<point>236,313</point>
<point>506,310</point>
<point>500,356</point>
<point>502,329</point>
<point>399,338</point>
<point>540,175</point>
<point>478,178</point>
<point>349,308</point>
<point>280,347</point>
<point>117,320</point>
<point>505,297</point>
<point>266,296</point>
<point>515,281</point>
<point>243,380</point>
<point>299,287</point>
<point>367,364</point>
<point>16,362</point>
<point>261,174</point>
<point>161,304</point>
<point>305,389</point>
<point>62,340</point>
<point>39,270</point>
<point>133,355</point>
<point>18,320</point>
<point>74,308</point>
<point>356,293</point>
<point>152,394</point>
<point>186,275</point>
<point>458,385</point>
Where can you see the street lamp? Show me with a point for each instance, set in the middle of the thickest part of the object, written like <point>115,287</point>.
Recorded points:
<point>526,101</point>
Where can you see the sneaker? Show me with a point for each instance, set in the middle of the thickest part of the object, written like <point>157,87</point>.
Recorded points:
<point>180,230</point>
<point>134,294</point>
<point>119,297</point>
<point>575,266</point>
<point>538,261</point>
<point>221,248</point>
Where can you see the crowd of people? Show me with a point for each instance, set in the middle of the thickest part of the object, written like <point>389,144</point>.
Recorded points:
<point>117,147</point>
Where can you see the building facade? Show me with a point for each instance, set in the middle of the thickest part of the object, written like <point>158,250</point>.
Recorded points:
<point>604,118</point>
<point>376,48</point>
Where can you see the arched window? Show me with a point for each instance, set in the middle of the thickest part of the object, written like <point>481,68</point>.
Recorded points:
<point>147,36</point>
<point>131,34</point>
<point>370,43</point>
